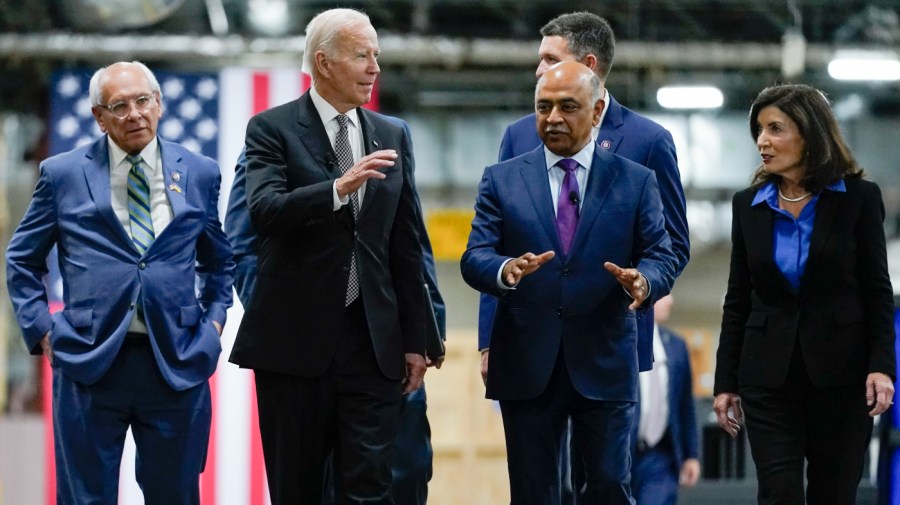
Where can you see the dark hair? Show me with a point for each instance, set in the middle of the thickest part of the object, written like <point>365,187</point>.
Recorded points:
<point>827,157</point>
<point>586,33</point>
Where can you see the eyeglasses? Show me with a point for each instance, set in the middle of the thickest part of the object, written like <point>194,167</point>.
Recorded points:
<point>121,109</point>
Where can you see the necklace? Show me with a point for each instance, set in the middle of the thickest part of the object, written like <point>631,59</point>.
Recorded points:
<point>793,200</point>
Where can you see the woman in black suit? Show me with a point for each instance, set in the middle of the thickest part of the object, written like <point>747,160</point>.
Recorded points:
<point>806,353</point>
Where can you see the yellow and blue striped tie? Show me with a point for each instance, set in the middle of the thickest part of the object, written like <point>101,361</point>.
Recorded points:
<point>139,205</point>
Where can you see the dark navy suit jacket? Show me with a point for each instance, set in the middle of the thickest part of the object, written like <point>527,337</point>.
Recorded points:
<point>642,141</point>
<point>571,302</point>
<point>245,242</point>
<point>682,421</point>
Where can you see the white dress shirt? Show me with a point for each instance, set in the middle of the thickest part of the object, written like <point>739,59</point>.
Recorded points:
<point>160,208</point>
<point>329,114</point>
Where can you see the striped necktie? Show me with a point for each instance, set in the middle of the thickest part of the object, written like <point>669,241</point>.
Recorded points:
<point>139,205</point>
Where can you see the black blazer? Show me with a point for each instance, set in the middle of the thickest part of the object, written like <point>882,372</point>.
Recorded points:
<point>294,318</point>
<point>843,313</point>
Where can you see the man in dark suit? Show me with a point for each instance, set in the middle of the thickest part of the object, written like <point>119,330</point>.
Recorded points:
<point>411,461</point>
<point>664,438</point>
<point>588,39</point>
<point>136,225</point>
<point>565,334</point>
<point>335,328</point>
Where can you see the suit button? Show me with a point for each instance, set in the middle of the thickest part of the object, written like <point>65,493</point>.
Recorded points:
<point>566,272</point>
<point>559,312</point>
<point>142,265</point>
<point>131,306</point>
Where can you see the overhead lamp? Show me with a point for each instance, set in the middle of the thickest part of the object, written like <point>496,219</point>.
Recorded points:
<point>690,97</point>
<point>859,65</point>
<point>269,17</point>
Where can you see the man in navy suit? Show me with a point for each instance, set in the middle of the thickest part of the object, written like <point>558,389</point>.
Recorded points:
<point>335,327</point>
<point>411,461</point>
<point>664,440</point>
<point>588,39</point>
<point>564,340</point>
<point>147,275</point>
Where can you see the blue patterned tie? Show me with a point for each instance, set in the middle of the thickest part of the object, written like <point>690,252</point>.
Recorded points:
<point>567,204</point>
<point>139,205</point>
<point>345,161</point>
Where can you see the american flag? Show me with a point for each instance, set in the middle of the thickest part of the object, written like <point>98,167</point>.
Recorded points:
<point>208,113</point>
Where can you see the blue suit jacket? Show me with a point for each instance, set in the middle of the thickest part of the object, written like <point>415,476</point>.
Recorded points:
<point>103,273</point>
<point>682,421</point>
<point>571,301</point>
<point>642,141</point>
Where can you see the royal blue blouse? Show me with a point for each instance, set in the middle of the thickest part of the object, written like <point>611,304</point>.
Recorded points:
<point>792,235</point>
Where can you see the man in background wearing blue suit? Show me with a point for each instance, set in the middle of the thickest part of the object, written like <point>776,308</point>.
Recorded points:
<point>411,466</point>
<point>664,438</point>
<point>147,273</point>
<point>564,340</point>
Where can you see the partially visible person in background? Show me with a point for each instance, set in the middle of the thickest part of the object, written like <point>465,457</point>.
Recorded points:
<point>147,273</point>
<point>806,353</point>
<point>411,460</point>
<point>664,442</point>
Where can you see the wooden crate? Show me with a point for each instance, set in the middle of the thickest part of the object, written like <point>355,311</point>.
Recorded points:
<point>466,430</point>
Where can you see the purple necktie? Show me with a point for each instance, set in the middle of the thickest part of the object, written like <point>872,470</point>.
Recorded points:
<point>567,205</point>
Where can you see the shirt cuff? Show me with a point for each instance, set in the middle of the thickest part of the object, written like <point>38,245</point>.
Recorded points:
<point>337,201</point>
<point>500,284</point>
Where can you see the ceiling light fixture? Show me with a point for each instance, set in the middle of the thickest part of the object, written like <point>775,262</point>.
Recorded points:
<point>859,65</point>
<point>690,97</point>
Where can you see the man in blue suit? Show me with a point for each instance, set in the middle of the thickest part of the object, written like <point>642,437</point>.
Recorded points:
<point>147,274</point>
<point>588,39</point>
<point>564,339</point>
<point>411,460</point>
<point>664,439</point>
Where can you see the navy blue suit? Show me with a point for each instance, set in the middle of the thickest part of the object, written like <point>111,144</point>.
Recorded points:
<point>642,141</point>
<point>411,465</point>
<point>564,342</point>
<point>104,378</point>
<point>655,471</point>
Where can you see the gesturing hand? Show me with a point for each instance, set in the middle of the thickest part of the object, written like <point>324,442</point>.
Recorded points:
<point>368,167</point>
<point>526,264</point>
<point>632,280</point>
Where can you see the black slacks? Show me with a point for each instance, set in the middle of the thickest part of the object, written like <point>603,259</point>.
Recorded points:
<point>352,410</point>
<point>829,428</point>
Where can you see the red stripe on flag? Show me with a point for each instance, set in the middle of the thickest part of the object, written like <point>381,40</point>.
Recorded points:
<point>260,92</point>
<point>258,489</point>
<point>47,406</point>
<point>208,477</point>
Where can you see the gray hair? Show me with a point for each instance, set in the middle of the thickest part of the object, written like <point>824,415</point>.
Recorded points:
<point>97,80</point>
<point>322,32</point>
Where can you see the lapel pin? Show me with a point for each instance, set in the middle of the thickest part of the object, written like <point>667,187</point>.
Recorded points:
<point>176,176</point>
<point>174,187</point>
<point>605,144</point>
